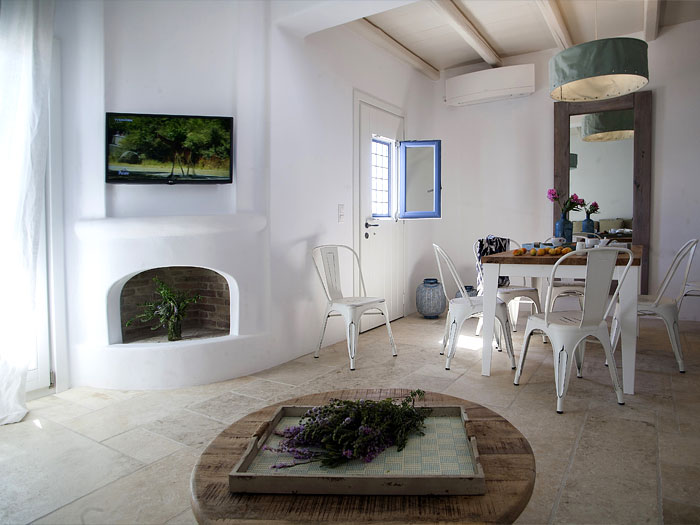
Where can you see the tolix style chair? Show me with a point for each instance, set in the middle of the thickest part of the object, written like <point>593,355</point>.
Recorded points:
<point>327,261</point>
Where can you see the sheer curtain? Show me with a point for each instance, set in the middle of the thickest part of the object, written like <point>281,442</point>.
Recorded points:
<point>26,37</point>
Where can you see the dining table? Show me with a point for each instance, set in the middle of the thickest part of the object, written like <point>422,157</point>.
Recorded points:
<point>539,269</point>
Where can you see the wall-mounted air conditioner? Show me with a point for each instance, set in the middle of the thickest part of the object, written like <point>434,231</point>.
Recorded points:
<point>490,85</point>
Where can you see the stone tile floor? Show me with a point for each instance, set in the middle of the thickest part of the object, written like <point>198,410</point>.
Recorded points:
<point>103,456</point>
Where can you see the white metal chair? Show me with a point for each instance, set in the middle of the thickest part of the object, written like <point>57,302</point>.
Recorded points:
<point>665,307</point>
<point>692,289</point>
<point>462,308</point>
<point>326,257</point>
<point>568,330</point>
<point>569,287</point>
<point>512,295</point>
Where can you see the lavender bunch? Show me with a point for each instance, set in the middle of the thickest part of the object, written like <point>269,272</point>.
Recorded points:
<point>344,430</point>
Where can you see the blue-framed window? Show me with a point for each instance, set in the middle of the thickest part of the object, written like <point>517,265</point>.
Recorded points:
<point>419,179</point>
<point>381,177</point>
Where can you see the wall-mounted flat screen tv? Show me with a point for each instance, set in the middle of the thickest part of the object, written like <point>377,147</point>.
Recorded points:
<point>169,149</point>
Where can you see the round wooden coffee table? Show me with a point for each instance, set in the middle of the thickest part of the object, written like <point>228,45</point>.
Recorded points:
<point>506,457</point>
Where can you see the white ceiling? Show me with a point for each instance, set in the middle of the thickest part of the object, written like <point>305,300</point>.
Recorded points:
<point>515,27</point>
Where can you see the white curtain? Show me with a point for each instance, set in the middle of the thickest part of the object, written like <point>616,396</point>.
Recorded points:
<point>26,37</point>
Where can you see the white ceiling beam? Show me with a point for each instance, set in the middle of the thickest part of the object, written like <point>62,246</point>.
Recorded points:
<point>374,34</point>
<point>304,17</point>
<point>651,19</point>
<point>555,21</point>
<point>468,31</point>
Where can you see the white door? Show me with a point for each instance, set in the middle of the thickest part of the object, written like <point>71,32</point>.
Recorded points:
<point>381,236</point>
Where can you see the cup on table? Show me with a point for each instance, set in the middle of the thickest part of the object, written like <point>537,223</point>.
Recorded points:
<point>580,245</point>
<point>592,243</point>
<point>557,241</point>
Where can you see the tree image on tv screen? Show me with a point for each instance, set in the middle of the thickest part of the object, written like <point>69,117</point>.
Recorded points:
<point>171,148</point>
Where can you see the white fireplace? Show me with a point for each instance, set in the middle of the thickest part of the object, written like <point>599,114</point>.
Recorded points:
<point>115,249</point>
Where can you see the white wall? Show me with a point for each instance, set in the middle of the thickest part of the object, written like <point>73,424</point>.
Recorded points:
<point>603,175</point>
<point>311,134</point>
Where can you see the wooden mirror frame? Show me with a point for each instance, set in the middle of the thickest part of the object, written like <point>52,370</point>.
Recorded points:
<point>640,102</point>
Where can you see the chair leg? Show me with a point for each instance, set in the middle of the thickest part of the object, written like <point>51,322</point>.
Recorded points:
<point>352,333</point>
<point>388,329</point>
<point>455,328</point>
<point>610,357</point>
<point>445,336</point>
<point>479,325</point>
<point>514,311</point>
<point>505,333</point>
<point>675,336</point>
<point>562,368</point>
<point>523,353</point>
<point>578,356</point>
<point>323,332</point>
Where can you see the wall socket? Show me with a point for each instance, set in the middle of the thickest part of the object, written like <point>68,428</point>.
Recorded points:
<point>341,213</point>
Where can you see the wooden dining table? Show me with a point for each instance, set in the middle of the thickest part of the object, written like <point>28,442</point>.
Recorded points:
<point>539,268</point>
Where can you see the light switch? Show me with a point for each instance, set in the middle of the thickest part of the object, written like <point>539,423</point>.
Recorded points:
<point>341,212</point>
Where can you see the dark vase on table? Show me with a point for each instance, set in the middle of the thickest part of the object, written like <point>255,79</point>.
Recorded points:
<point>587,225</point>
<point>564,228</point>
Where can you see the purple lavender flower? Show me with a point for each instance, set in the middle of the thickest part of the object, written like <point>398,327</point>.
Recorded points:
<point>347,453</point>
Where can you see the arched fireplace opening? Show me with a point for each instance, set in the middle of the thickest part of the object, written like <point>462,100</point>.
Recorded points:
<point>210,316</point>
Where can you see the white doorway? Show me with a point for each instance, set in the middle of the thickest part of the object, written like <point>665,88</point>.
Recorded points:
<point>379,236</point>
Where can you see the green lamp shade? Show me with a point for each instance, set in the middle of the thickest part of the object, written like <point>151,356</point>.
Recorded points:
<point>600,69</point>
<point>573,161</point>
<point>608,125</point>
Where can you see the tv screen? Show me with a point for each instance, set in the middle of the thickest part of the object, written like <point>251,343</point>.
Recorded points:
<point>169,149</point>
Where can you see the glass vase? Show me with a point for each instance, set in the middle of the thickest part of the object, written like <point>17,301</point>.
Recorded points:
<point>564,228</point>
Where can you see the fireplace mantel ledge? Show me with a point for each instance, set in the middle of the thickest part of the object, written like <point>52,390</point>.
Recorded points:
<point>170,226</point>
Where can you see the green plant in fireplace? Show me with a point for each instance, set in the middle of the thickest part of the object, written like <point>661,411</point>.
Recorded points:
<point>169,310</point>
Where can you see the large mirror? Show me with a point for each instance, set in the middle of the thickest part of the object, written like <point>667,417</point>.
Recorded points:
<point>610,192</point>
<point>419,163</point>
<point>601,171</point>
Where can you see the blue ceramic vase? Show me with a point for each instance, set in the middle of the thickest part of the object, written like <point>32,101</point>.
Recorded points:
<point>430,299</point>
<point>564,228</point>
<point>587,226</point>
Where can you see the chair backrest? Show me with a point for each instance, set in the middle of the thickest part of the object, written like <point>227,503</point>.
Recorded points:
<point>442,258</point>
<point>327,262</point>
<point>687,250</point>
<point>599,271</point>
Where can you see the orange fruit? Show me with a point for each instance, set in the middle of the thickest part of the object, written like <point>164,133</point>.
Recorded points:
<point>552,251</point>
<point>557,250</point>
<point>517,251</point>
<point>565,250</point>
<point>533,252</point>
<point>541,251</point>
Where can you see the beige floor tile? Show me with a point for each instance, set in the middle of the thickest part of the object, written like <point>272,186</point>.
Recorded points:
<point>267,390</point>
<point>143,445</point>
<point>44,466</point>
<point>680,483</point>
<point>676,513</point>
<point>57,409</point>
<point>229,407</point>
<point>184,518</point>
<point>96,398</point>
<point>613,477</point>
<point>125,501</point>
<point>187,427</point>
<point>294,372</point>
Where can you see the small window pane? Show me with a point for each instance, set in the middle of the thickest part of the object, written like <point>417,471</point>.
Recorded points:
<point>381,167</point>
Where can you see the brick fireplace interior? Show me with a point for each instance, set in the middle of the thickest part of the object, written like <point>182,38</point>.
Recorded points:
<point>208,317</point>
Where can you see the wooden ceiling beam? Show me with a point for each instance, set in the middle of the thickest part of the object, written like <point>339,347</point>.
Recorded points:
<point>652,10</point>
<point>374,34</point>
<point>466,29</point>
<point>555,21</point>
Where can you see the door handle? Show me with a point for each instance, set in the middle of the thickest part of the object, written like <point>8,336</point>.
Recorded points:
<point>368,225</point>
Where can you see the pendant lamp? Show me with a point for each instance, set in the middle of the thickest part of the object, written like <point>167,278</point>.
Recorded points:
<point>600,69</point>
<point>607,126</point>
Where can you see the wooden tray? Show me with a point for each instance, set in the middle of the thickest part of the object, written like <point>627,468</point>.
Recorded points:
<point>445,461</point>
